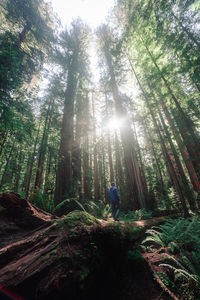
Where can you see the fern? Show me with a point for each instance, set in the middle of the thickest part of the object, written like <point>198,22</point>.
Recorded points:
<point>182,237</point>
<point>99,209</point>
<point>154,239</point>
<point>59,205</point>
<point>81,206</point>
<point>181,232</point>
<point>181,273</point>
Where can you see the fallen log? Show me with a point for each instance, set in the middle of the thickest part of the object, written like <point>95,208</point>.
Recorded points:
<point>74,257</point>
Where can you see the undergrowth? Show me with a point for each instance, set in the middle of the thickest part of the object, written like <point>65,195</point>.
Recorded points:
<point>141,214</point>
<point>99,208</point>
<point>177,242</point>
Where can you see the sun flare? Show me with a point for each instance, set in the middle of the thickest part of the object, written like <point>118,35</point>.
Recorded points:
<point>114,124</point>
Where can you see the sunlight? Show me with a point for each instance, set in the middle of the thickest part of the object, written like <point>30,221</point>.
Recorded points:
<point>93,12</point>
<point>114,124</point>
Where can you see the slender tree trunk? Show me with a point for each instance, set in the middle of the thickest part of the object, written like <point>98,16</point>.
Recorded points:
<point>85,150</point>
<point>19,169</point>
<point>3,179</point>
<point>30,166</point>
<point>119,170</point>
<point>64,173</point>
<point>141,162</point>
<point>182,148</point>
<point>112,179</point>
<point>86,169</point>
<point>149,138</point>
<point>48,172</point>
<point>96,175</point>
<point>43,146</point>
<point>185,125</point>
<point>162,187</point>
<point>76,157</point>
<point>110,159</point>
<point>104,182</point>
<point>3,136</point>
<point>182,178</point>
<point>171,170</point>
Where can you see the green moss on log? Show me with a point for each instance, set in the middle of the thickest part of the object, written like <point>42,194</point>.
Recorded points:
<point>78,219</point>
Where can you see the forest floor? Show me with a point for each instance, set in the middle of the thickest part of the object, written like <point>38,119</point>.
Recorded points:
<point>75,256</point>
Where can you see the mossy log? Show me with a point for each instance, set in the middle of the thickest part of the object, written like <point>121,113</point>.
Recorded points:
<point>73,257</point>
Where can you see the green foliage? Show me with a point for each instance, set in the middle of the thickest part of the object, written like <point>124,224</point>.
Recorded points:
<point>141,214</point>
<point>68,205</point>
<point>42,201</point>
<point>99,209</point>
<point>176,234</point>
<point>181,237</point>
<point>76,219</point>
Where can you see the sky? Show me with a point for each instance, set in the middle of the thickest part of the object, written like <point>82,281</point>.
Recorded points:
<point>93,12</point>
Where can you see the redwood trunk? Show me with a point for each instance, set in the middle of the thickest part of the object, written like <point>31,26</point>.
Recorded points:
<point>64,172</point>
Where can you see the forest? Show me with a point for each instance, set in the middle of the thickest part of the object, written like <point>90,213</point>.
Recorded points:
<point>81,108</point>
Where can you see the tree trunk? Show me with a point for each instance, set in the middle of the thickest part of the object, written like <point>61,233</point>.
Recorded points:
<point>144,182</point>
<point>182,148</point>
<point>43,146</point>
<point>112,179</point>
<point>133,175</point>
<point>110,159</point>
<point>3,179</point>
<point>64,172</point>
<point>76,155</point>
<point>95,145</point>
<point>65,258</point>
<point>19,169</point>
<point>47,187</point>
<point>190,138</point>
<point>86,169</point>
<point>104,181</point>
<point>119,172</point>
<point>30,165</point>
<point>182,178</point>
<point>171,170</point>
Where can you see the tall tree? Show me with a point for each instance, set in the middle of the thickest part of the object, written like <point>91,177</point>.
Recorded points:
<point>133,175</point>
<point>75,59</point>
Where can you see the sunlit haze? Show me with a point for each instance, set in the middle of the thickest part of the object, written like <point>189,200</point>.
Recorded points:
<point>93,12</point>
<point>115,124</point>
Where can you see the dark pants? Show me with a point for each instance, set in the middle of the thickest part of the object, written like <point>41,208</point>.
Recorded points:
<point>115,206</point>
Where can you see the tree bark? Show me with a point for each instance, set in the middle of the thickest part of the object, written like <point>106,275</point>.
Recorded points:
<point>64,172</point>
<point>182,148</point>
<point>59,258</point>
<point>181,174</point>
<point>190,138</point>
<point>170,167</point>
<point>95,145</point>
<point>133,175</point>
<point>30,164</point>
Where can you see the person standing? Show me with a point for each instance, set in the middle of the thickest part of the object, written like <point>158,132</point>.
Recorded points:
<point>114,201</point>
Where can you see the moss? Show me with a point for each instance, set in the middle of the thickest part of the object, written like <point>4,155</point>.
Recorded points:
<point>133,232</point>
<point>78,219</point>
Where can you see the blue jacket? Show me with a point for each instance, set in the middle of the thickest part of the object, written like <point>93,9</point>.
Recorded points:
<point>113,193</point>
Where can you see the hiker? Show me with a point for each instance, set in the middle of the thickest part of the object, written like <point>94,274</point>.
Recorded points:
<point>114,201</point>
